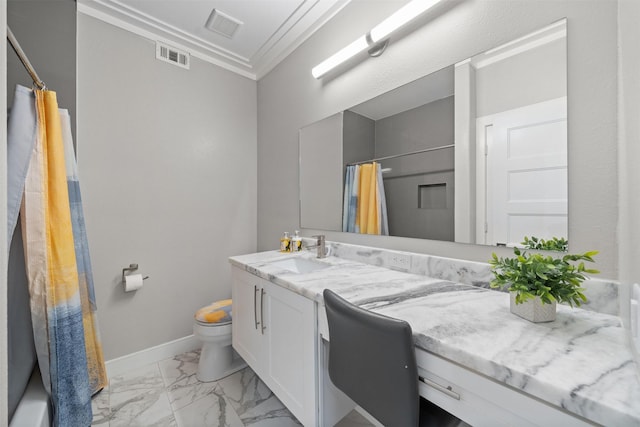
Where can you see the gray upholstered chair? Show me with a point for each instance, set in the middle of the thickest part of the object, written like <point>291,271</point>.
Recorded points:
<point>372,360</point>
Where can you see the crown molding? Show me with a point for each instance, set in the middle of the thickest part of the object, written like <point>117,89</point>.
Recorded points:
<point>298,27</point>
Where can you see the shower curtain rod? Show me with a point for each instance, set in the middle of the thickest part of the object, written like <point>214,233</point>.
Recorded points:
<point>402,155</point>
<point>23,58</point>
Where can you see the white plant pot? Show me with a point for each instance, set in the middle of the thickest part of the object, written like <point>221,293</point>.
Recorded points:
<point>533,310</point>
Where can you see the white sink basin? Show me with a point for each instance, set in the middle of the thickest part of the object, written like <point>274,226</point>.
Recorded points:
<point>299,265</point>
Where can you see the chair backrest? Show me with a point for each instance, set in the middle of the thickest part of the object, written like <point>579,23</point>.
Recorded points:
<point>372,360</point>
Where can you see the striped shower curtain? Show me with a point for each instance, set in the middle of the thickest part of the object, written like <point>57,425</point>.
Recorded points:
<point>56,254</point>
<point>364,205</point>
<point>93,346</point>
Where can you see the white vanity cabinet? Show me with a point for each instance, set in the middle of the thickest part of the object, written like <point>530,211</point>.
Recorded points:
<point>247,335</point>
<point>470,396</point>
<point>274,330</point>
<point>483,402</point>
<point>284,337</point>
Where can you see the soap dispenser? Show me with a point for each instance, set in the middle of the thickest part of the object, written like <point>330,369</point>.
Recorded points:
<point>296,242</point>
<point>285,242</point>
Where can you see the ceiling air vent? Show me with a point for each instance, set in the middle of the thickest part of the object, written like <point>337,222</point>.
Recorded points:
<point>222,23</point>
<point>171,54</point>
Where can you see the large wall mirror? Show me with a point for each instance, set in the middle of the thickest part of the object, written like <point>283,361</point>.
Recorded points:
<point>473,153</point>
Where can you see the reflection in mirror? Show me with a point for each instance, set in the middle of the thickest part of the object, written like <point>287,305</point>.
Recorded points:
<point>511,121</point>
<point>554,244</point>
<point>473,153</point>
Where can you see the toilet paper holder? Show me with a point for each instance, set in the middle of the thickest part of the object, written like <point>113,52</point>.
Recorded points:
<point>132,267</point>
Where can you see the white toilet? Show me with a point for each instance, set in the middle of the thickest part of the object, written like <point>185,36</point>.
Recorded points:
<point>212,326</point>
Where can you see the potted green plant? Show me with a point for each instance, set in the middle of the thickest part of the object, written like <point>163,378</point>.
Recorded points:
<point>538,281</point>
<point>559,244</point>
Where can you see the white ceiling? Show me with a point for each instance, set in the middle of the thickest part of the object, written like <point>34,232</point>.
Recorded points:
<point>271,29</point>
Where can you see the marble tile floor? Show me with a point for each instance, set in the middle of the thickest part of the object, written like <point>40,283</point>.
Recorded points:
<point>169,394</point>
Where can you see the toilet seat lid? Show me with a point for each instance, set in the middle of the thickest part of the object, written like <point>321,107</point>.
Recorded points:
<point>216,313</point>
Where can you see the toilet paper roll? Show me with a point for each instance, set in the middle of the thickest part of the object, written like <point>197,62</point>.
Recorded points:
<point>133,282</point>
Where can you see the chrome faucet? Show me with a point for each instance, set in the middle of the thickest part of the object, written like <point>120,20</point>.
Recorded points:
<point>322,251</point>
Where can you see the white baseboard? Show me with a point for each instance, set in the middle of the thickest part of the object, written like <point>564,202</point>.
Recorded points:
<point>150,355</point>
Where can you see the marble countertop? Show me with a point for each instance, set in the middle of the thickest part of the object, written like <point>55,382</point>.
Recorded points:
<point>581,362</point>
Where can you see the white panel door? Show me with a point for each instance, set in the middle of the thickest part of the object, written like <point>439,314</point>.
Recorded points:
<point>523,176</point>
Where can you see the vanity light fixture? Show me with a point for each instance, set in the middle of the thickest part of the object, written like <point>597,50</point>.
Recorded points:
<point>341,56</point>
<point>375,40</point>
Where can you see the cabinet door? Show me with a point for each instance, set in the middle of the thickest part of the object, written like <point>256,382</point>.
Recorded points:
<point>289,320</point>
<point>247,336</point>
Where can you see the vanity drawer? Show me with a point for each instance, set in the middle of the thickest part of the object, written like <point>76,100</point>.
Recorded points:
<point>481,401</point>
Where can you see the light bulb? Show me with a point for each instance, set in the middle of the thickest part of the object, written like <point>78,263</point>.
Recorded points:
<point>400,18</point>
<point>341,56</point>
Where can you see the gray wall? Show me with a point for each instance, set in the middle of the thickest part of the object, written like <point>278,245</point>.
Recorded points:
<point>167,165</point>
<point>4,380</point>
<point>629,154</point>
<point>46,31</point>
<point>417,180</point>
<point>533,76</point>
<point>320,156</point>
<point>358,135</point>
<point>427,126</point>
<point>463,30</point>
